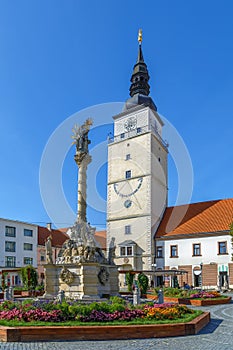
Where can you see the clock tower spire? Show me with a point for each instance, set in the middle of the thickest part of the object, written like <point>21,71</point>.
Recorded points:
<point>140,76</point>
<point>140,88</point>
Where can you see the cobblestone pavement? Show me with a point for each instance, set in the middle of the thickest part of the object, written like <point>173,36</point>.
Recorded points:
<point>217,335</point>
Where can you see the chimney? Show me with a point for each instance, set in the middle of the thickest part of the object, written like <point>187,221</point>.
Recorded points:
<point>49,226</point>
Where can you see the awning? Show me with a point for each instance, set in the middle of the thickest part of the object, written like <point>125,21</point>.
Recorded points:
<point>197,272</point>
<point>156,272</point>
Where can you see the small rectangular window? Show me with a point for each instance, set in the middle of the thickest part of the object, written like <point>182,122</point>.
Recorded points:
<point>174,251</point>
<point>196,249</point>
<point>28,233</point>
<point>9,246</point>
<point>159,252</point>
<point>127,157</point>
<point>10,231</point>
<point>27,246</point>
<point>222,248</point>
<point>128,174</point>
<point>126,251</point>
<point>127,229</point>
<point>10,261</point>
<point>139,130</point>
<point>27,261</point>
<point>42,258</point>
<point>123,135</point>
<point>122,251</point>
<point>129,251</point>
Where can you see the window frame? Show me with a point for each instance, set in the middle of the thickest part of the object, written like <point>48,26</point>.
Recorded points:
<point>7,234</point>
<point>225,243</point>
<point>27,230</point>
<point>28,263</point>
<point>171,251</point>
<point>194,249</point>
<point>122,251</point>
<point>128,230</point>
<point>127,156</point>
<point>9,243</point>
<point>126,251</point>
<point>13,262</point>
<point>28,244</point>
<point>159,249</point>
<point>128,174</point>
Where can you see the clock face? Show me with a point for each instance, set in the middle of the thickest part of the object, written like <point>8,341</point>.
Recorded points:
<point>127,189</point>
<point>130,124</point>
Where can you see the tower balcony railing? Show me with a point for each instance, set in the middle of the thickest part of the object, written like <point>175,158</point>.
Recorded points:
<point>136,132</point>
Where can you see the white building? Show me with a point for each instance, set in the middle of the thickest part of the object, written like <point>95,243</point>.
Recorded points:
<point>18,248</point>
<point>200,243</point>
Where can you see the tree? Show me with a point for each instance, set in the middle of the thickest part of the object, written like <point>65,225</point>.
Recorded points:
<point>143,282</point>
<point>4,283</point>
<point>29,277</point>
<point>129,280</point>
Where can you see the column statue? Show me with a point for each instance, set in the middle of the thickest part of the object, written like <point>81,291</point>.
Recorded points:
<point>48,249</point>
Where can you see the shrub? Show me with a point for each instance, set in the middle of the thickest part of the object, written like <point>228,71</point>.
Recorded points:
<point>117,300</point>
<point>29,277</point>
<point>116,307</point>
<point>8,305</point>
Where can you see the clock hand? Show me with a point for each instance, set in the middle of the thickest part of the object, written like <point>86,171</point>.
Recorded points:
<point>122,187</point>
<point>118,190</point>
<point>134,195</point>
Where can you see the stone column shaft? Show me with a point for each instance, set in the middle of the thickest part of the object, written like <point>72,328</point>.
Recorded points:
<point>82,161</point>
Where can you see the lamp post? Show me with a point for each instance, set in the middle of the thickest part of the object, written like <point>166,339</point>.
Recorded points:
<point>201,266</point>
<point>154,267</point>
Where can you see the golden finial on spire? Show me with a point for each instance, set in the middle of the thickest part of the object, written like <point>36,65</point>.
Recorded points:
<point>140,36</point>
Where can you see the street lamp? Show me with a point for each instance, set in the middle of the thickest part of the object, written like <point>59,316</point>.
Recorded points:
<point>154,267</point>
<point>201,266</point>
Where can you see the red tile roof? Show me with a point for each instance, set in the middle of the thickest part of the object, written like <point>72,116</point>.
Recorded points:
<point>211,216</point>
<point>100,237</point>
<point>58,237</point>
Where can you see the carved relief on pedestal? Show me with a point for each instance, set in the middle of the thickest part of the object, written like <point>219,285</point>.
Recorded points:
<point>66,276</point>
<point>103,275</point>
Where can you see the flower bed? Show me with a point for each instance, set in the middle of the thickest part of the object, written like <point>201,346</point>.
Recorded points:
<point>197,298</point>
<point>95,312</point>
<point>105,320</point>
<point>198,302</point>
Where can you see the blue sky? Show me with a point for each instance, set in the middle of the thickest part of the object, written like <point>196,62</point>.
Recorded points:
<point>59,57</point>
